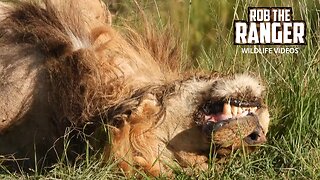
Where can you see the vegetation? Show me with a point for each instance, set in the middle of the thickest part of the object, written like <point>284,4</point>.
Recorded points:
<point>206,28</point>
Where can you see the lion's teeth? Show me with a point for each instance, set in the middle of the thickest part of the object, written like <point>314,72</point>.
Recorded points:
<point>227,109</point>
<point>234,110</point>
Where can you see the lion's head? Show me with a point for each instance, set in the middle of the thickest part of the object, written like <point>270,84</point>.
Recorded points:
<point>187,118</point>
<point>67,68</point>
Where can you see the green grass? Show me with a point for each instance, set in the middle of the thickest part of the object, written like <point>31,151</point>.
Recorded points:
<point>293,149</point>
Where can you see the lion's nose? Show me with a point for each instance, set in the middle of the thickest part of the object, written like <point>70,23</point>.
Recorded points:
<point>256,137</point>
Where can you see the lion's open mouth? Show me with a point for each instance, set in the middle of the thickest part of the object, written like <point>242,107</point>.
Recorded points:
<point>229,109</point>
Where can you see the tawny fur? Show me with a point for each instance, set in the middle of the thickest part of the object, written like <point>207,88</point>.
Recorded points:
<point>65,69</point>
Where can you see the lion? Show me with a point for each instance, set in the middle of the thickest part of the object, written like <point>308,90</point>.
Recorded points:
<point>69,77</point>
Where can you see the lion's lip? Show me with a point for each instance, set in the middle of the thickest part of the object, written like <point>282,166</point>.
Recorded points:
<point>211,126</point>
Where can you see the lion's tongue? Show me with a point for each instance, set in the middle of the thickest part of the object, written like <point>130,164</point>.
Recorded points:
<point>218,117</point>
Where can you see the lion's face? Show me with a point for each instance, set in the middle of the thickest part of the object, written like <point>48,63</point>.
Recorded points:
<point>234,113</point>
<point>184,120</point>
<point>228,112</point>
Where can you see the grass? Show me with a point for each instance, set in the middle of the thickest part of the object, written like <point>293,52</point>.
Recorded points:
<point>293,149</point>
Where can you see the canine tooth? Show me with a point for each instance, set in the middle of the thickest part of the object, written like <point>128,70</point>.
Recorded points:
<point>226,109</point>
<point>234,110</point>
<point>253,109</point>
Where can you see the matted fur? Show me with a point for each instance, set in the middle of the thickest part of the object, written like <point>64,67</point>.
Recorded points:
<point>65,70</point>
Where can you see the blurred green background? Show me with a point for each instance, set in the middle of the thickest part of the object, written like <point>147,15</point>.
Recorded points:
<point>207,25</point>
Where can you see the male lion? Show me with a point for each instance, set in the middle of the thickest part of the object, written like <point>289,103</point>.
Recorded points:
<point>67,74</point>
